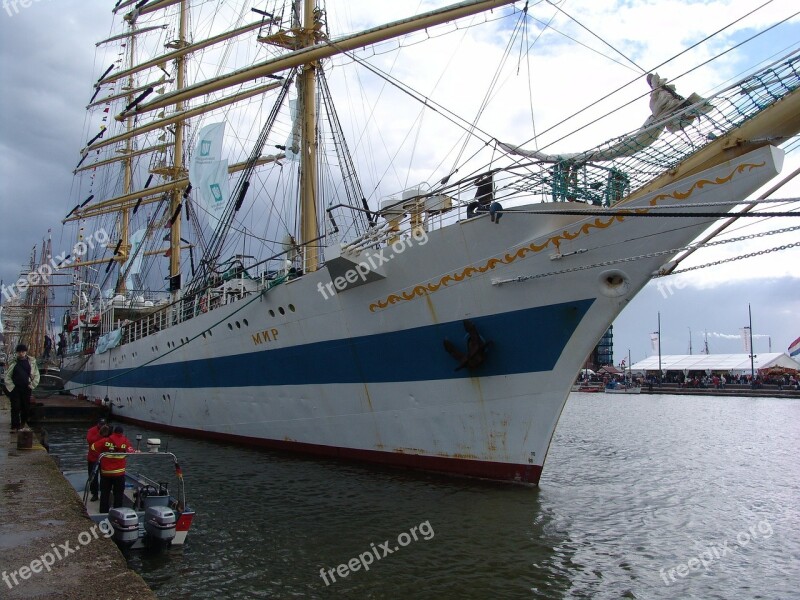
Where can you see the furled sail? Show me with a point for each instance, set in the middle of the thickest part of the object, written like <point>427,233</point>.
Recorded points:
<point>669,110</point>
<point>293,141</point>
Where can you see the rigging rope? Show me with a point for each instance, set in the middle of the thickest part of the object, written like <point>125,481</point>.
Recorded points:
<point>658,66</point>
<point>562,11</point>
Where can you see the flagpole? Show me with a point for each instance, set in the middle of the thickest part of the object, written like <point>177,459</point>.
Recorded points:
<point>659,347</point>
<point>752,356</point>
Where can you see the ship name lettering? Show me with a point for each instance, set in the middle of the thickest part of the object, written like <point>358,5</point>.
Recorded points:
<point>268,335</point>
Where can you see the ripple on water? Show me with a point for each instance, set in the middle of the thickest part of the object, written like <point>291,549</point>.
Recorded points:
<point>632,487</point>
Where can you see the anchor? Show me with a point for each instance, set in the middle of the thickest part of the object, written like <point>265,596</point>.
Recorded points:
<point>476,348</point>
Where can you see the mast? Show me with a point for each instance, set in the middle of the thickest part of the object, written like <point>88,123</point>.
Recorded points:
<point>630,371</point>
<point>178,171</point>
<point>125,215</point>
<point>308,152</point>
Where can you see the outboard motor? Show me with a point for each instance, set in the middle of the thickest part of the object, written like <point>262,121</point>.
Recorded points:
<point>159,525</point>
<point>125,524</point>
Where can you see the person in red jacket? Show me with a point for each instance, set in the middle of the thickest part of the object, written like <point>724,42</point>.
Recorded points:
<point>96,433</point>
<point>112,467</point>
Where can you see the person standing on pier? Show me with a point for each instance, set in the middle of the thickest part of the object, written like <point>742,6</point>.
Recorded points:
<point>95,434</point>
<point>22,377</point>
<point>112,466</point>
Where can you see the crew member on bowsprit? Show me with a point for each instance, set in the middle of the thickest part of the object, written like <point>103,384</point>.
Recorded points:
<point>112,466</point>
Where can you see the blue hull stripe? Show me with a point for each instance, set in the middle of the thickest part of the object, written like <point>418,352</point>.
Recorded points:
<point>523,341</point>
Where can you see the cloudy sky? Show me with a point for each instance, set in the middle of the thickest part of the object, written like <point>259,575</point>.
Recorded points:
<point>48,65</point>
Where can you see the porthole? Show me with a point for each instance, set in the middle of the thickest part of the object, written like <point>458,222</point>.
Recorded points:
<point>238,325</point>
<point>230,326</point>
<point>271,313</point>
<point>280,310</point>
<point>291,307</point>
<point>246,324</point>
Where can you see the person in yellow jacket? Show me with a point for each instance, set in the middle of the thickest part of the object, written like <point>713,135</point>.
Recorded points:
<point>112,467</point>
<point>22,377</point>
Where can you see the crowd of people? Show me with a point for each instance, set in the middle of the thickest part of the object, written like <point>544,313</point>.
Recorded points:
<point>720,381</point>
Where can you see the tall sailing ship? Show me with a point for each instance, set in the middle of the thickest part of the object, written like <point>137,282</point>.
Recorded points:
<point>439,326</point>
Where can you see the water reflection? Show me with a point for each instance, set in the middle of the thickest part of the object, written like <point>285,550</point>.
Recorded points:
<point>267,523</point>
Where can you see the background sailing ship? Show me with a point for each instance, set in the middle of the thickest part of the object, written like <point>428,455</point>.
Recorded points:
<point>29,318</point>
<point>245,346</point>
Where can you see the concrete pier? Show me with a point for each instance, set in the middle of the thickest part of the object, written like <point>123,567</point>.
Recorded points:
<point>48,547</point>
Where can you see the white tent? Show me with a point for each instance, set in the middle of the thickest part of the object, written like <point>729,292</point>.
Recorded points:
<point>727,363</point>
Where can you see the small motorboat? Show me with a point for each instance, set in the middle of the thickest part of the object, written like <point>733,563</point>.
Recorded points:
<point>587,388</point>
<point>49,379</point>
<point>152,517</point>
<point>622,388</point>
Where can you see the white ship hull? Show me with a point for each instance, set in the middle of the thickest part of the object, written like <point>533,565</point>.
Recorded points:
<point>364,374</point>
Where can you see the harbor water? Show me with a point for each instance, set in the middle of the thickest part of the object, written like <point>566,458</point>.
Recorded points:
<point>641,497</point>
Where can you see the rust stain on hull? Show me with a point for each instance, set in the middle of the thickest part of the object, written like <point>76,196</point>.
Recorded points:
<point>409,451</point>
<point>465,456</point>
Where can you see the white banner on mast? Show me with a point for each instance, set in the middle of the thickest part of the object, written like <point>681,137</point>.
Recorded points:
<point>208,173</point>
<point>136,267</point>
<point>655,342</point>
<point>746,338</point>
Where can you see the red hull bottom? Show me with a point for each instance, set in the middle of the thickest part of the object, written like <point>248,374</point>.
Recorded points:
<point>514,473</point>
